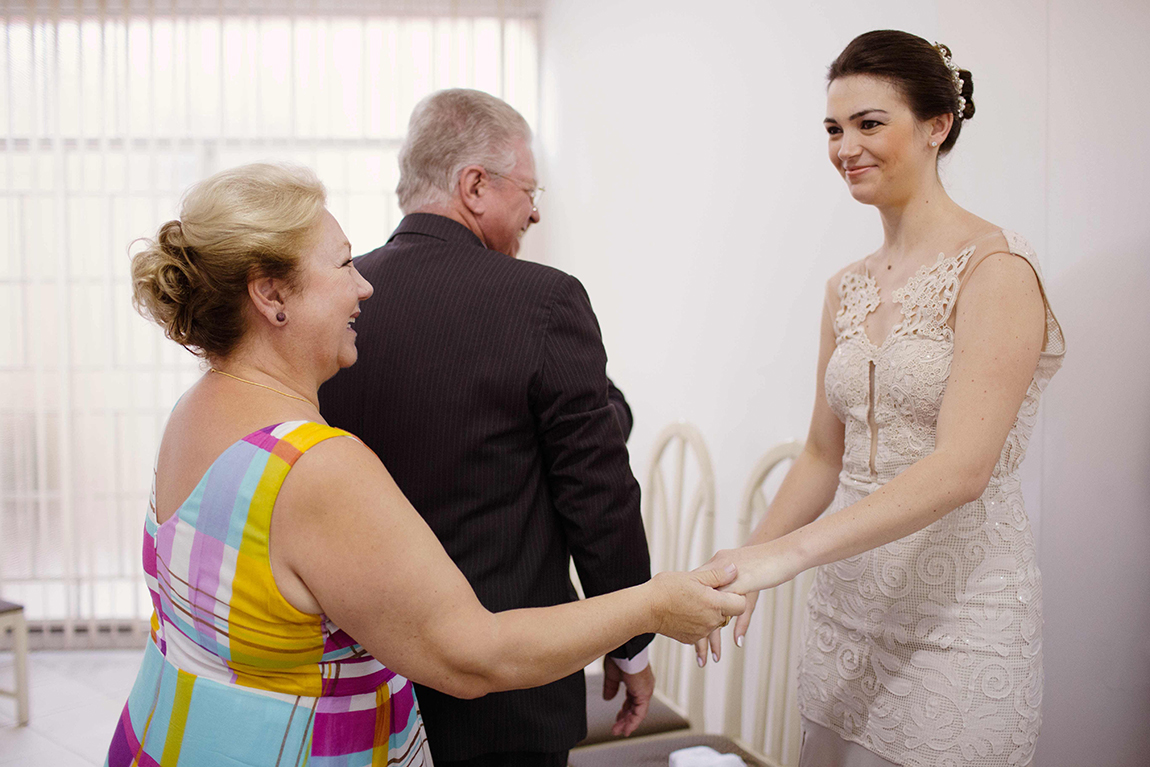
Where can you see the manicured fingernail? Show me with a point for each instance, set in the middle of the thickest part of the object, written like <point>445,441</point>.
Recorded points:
<point>715,655</point>
<point>701,660</point>
<point>739,641</point>
<point>730,569</point>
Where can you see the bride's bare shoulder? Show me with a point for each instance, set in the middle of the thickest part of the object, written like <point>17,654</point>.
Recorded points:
<point>834,284</point>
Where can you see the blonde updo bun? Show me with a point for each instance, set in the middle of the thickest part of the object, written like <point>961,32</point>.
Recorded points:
<point>192,279</point>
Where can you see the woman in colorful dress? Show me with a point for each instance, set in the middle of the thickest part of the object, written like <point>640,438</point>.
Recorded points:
<point>922,643</point>
<point>289,638</point>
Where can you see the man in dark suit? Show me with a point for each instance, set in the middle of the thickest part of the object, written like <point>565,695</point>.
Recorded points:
<point>481,384</point>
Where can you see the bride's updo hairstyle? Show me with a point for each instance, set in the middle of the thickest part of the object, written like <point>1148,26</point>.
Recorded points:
<point>917,69</point>
<point>192,279</point>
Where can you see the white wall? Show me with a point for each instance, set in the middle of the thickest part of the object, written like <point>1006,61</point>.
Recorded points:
<point>689,189</point>
<point>1096,482</point>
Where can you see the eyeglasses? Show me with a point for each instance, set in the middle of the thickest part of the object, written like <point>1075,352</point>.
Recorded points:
<point>534,193</point>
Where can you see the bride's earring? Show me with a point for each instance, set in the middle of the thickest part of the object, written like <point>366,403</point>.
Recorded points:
<point>934,143</point>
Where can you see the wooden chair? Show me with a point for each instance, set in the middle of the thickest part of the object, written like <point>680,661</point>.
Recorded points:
<point>679,516</point>
<point>770,725</point>
<point>12,617</point>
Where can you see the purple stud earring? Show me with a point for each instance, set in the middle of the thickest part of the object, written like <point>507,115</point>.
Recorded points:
<point>281,317</point>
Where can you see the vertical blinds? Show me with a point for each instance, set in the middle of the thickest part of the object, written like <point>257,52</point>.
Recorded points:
<point>108,112</point>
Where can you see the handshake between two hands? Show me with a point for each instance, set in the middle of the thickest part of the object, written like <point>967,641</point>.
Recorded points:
<point>739,573</point>
<point>727,563</point>
<point>694,608</point>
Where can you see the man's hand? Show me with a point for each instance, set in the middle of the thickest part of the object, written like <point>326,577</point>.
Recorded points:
<point>640,688</point>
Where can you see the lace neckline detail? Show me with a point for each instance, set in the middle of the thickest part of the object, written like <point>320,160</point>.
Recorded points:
<point>925,300</point>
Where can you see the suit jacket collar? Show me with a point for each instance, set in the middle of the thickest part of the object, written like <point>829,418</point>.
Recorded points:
<point>439,227</point>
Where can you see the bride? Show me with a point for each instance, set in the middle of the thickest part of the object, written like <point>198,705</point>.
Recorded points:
<point>922,643</point>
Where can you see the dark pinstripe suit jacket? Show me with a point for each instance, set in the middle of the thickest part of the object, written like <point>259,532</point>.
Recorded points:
<point>481,384</point>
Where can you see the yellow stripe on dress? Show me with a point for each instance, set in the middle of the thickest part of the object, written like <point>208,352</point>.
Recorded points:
<point>179,718</point>
<point>381,745</point>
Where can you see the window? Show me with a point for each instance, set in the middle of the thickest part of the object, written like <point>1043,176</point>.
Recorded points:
<point>108,111</point>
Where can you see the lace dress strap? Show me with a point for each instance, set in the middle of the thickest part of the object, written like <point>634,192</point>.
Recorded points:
<point>858,297</point>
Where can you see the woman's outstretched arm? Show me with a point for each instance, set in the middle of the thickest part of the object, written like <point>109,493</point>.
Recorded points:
<point>348,544</point>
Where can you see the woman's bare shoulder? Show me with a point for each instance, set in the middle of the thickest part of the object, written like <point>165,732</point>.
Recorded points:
<point>203,424</point>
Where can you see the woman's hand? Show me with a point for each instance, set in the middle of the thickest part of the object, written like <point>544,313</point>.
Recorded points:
<point>763,566</point>
<point>688,606</point>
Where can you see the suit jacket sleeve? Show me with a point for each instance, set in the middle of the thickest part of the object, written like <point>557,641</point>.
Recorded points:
<point>622,409</point>
<point>585,457</point>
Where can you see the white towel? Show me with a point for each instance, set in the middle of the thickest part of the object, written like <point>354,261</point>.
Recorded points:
<point>704,756</point>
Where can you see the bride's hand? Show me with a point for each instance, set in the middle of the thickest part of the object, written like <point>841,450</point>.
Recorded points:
<point>722,559</point>
<point>759,567</point>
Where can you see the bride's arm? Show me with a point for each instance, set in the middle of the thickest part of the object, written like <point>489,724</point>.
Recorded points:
<point>999,331</point>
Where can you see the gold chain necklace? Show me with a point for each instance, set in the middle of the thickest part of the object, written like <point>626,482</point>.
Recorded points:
<point>262,386</point>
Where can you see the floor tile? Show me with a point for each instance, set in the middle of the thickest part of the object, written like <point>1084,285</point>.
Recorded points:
<point>60,680</point>
<point>24,747</point>
<point>110,672</point>
<point>76,698</point>
<point>86,730</point>
<point>50,693</point>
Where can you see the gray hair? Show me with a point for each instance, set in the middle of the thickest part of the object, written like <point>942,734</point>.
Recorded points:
<point>450,130</point>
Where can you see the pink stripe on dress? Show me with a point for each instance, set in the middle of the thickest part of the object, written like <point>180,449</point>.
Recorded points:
<point>208,553</point>
<point>343,733</point>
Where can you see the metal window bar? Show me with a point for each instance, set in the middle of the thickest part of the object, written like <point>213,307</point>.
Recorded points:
<point>109,110</point>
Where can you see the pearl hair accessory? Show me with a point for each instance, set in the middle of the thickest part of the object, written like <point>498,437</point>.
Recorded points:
<point>946,59</point>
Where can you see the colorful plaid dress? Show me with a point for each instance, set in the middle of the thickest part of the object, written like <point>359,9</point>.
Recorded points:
<point>233,674</point>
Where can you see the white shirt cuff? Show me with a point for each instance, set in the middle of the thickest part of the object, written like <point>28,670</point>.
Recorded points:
<point>636,664</point>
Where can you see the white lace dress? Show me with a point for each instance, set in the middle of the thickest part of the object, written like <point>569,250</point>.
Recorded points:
<point>928,650</point>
